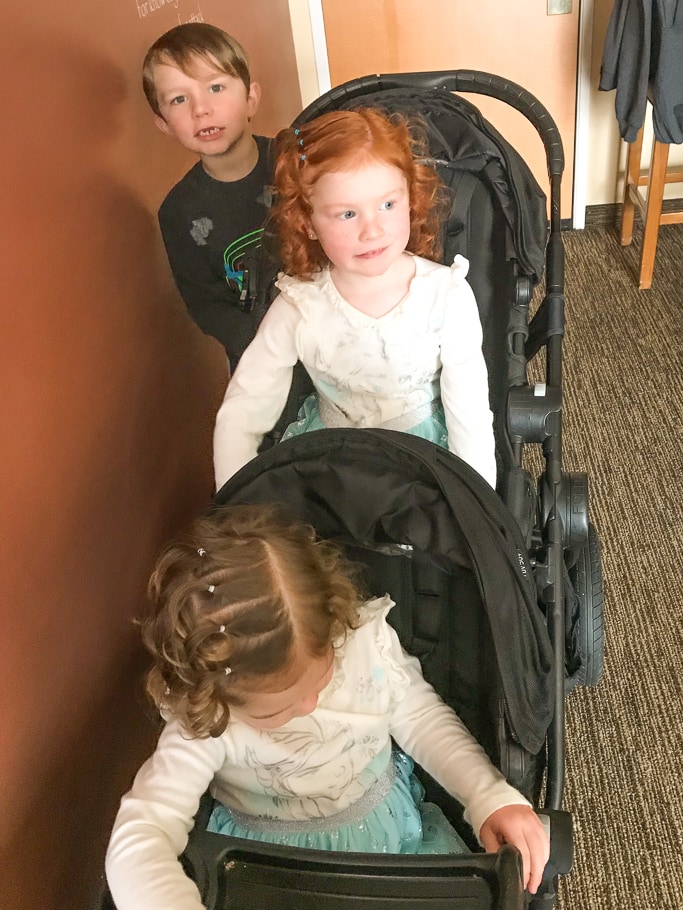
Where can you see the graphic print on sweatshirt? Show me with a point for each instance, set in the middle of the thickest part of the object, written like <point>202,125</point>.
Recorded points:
<point>235,255</point>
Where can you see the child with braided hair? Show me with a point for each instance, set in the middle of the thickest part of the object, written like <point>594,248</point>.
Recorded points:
<point>389,337</point>
<point>288,695</point>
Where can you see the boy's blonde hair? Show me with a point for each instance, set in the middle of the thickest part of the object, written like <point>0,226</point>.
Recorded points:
<point>183,44</point>
<point>248,591</point>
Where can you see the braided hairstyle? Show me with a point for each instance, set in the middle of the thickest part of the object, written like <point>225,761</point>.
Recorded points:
<point>236,599</point>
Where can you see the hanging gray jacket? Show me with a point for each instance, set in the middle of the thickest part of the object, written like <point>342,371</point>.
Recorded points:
<point>643,57</point>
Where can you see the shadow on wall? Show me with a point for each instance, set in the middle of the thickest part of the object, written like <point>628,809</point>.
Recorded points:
<point>109,396</point>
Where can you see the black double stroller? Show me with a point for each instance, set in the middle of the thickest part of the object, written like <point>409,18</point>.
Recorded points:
<point>498,593</point>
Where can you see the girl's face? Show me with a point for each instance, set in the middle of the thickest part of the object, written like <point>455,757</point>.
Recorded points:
<point>296,696</point>
<point>361,216</point>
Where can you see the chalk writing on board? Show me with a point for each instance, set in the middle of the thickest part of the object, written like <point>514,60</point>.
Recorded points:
<point>148,7</point>
<point>194,17</point>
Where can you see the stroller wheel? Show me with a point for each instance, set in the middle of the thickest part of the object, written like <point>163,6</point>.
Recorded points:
<point>586,578</point>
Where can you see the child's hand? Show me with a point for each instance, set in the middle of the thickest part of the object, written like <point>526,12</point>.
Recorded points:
<point>521,827</point>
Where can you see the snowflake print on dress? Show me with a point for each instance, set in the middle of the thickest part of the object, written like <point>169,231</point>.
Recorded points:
<point>369,687</point>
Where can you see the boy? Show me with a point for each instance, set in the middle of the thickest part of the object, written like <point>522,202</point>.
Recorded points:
<point>197,82</point>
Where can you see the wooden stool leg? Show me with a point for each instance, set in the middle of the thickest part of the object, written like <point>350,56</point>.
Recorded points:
<point>631,188</point>
<point>653,212</point>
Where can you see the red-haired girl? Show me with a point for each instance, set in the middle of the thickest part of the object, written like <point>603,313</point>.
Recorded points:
<point>389,337</point>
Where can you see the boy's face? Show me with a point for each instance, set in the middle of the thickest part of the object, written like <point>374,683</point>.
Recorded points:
<point>207,112</point>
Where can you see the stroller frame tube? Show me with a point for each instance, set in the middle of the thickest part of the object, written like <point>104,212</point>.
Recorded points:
<point>555,537</point>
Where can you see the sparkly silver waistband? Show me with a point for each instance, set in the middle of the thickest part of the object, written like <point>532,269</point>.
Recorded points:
<point>372,797</point>
<point>333,416</point>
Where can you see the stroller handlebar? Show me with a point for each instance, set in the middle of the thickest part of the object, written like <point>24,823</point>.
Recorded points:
<point>455,81</point>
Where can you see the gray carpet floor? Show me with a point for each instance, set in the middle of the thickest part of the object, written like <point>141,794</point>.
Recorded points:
<point>623,425</point>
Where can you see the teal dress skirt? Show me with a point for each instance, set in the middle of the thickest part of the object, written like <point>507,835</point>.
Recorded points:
<point>428,421</point>
<point>392,817</point>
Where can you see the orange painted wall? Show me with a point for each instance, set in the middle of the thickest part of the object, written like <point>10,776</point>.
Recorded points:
<point>517,41</point>
<point>108,395</point>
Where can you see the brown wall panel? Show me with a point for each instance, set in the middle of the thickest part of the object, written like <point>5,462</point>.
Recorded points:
<point>106,412</point>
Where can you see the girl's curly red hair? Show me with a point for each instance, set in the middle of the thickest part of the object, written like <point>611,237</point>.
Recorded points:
<point>344,139</point>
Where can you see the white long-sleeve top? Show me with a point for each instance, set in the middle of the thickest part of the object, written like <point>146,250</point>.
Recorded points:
<point>315,765</point>
<point>373,369</point>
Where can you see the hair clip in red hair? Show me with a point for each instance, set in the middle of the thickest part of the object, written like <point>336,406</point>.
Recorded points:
<point>301,142</point>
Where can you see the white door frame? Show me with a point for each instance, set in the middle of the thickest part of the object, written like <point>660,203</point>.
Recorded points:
<point>322,65</point>
<point>582,127</point>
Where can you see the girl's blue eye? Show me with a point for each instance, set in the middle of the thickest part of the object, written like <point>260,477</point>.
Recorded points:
<point>216,87</point>
<point>178,99</point>
<point>389,204</point>
<point>346,215</point>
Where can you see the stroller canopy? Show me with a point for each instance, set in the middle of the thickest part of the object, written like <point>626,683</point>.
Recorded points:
<point>379,487</point>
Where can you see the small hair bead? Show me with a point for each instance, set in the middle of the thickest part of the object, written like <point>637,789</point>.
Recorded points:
<point>201,551</point>
<point>228,671</point>
<point>221,628</point>
<point>211,589</point>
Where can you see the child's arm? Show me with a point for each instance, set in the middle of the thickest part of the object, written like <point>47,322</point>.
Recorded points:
<point>464,380</point>
<point>153,823</point>
<point>257,392</point>
<point>429,731</point>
